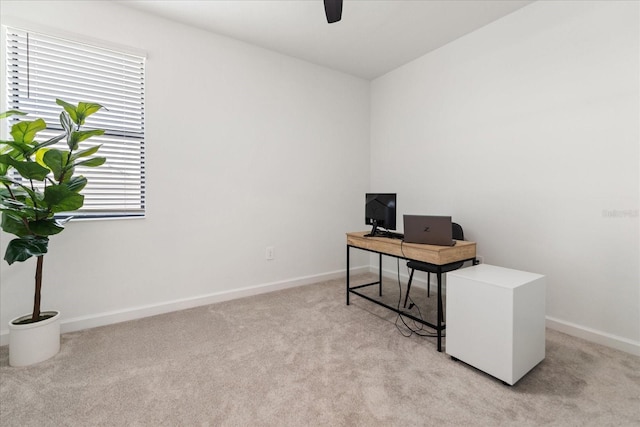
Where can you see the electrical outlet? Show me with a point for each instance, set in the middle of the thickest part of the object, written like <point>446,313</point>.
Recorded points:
<point>270,253</point>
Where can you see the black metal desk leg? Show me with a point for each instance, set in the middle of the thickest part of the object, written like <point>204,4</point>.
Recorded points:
<point>380,275</point>
<point>348,247</point>
<point>439,321</point>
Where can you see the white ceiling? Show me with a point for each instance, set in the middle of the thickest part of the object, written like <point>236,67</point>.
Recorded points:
<point>373,37</point>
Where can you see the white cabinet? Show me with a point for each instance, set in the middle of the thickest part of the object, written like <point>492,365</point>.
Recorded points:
<point>496,320</point>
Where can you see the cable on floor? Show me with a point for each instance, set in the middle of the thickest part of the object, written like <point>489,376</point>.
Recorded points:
<point>418,327</point>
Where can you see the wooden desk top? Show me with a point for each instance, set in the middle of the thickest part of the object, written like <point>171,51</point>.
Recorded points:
<point>439,255</point>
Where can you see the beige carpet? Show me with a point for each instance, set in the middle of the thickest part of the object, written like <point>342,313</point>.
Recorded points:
<point>301,357</point>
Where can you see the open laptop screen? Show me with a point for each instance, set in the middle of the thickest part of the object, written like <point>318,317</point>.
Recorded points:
<point>428,229</point>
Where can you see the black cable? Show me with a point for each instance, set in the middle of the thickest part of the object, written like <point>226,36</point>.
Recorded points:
<point>418,326</point>
<point>399,316</point>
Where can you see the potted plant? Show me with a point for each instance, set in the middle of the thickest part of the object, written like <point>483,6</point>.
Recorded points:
<point>38,182</point>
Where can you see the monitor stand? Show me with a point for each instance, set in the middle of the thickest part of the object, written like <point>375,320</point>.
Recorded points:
<point>374,231</point>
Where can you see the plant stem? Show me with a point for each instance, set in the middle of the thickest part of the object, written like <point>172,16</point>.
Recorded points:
<point>36,298</point>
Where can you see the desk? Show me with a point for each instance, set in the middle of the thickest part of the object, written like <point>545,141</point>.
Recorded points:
<point>438,256</point>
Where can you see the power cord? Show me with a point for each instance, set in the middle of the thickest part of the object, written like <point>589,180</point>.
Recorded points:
<point>417,327</point>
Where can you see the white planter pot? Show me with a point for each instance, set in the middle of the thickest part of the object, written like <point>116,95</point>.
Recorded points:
<point>34,342</point>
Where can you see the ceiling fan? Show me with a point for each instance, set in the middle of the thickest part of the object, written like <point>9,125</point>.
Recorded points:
<point>333,10</point>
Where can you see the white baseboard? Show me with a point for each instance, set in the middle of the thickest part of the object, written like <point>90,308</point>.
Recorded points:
<point>133,313</point>
<point>595,336</point>
<point>587,334</point>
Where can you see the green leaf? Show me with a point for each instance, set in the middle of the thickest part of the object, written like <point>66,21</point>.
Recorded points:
<point>85,109</point>
<point>70,109</point>
<point>28,170</point>
<point>26,131</point>
<point>18,147</point>
<point>4,164</point>
<point>4,167</point>
<point>31,170</point>
<point>86,152</point>
<point>45,227</point>
<point>44,144</point>
<point>13,225</point>
<point>6,114</point>
<point>23,248</point>
<point>40,156</point>
<point>77,183</point>
<point>60,198</point>
<point>20,191</point>
<point>21,205</point>
<point>56,160</point>
<point>81,112</point>
<point>92,162</point>
<point>67,123</point>
<point>11,204</point>
<point>17,208</point>
<point>79,136</point>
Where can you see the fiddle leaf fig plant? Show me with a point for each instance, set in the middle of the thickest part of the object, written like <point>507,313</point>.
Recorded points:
<point>38,181</point>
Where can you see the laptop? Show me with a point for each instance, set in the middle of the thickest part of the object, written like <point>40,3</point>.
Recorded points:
<point>428,229</point>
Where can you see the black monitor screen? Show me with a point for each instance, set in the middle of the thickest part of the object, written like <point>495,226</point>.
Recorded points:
<point>380,211</point>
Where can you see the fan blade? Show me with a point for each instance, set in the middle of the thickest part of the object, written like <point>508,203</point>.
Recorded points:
<point>333,10</point>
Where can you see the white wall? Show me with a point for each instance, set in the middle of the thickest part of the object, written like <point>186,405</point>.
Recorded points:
<point>246,149</point>
<point>526,132</point>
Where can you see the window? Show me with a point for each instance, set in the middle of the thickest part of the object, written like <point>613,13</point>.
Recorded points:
<point>41,68</point>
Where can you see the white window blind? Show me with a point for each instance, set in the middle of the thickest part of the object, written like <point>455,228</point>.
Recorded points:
<point>41,68</point>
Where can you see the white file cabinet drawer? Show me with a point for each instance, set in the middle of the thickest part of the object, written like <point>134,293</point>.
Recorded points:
<point>496,320</point>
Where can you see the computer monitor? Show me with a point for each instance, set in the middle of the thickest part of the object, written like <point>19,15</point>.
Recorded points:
<point>380,211</point>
